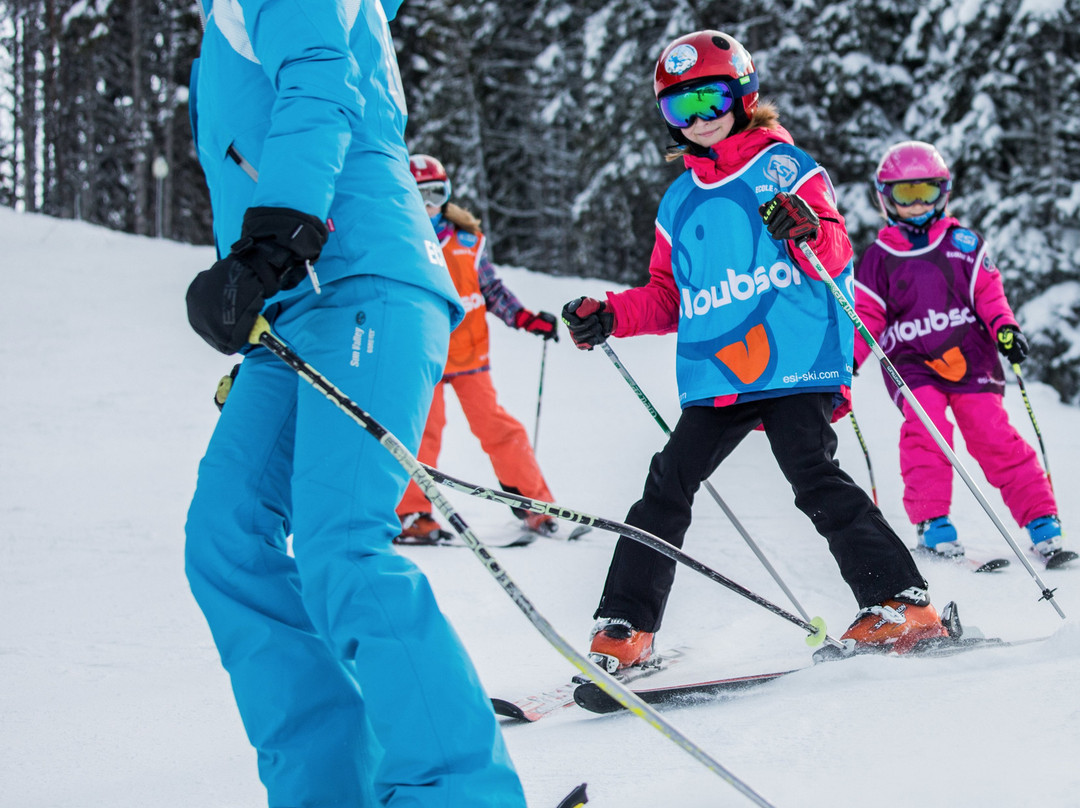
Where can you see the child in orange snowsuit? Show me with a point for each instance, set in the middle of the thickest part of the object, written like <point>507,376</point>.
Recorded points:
<point>468,367</point>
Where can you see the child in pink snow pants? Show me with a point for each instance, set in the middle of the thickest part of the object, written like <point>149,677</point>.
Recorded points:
<point>929,293</point>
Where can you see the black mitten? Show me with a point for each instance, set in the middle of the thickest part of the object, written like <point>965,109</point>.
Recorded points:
<point>275,245</point>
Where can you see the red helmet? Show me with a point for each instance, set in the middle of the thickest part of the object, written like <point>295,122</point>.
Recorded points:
<point>426,168</point>
<point>709,54</point>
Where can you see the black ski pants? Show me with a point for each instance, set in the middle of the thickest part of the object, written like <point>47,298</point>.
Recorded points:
<point>873,560</point>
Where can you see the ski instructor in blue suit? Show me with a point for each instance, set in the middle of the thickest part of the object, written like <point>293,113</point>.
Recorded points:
<point>352,686</point>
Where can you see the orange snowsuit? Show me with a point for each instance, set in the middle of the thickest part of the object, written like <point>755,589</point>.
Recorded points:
<point>468,371</point>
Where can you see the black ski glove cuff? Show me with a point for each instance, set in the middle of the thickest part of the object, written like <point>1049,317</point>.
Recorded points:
<point>224,301</point>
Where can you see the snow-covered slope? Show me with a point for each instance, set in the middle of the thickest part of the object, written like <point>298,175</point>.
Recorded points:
<point>111,694</point>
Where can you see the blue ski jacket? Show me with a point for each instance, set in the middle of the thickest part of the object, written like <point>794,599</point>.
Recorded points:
<point>299,104</point>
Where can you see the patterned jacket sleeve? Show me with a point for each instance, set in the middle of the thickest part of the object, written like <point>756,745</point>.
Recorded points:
<point>499,300</point>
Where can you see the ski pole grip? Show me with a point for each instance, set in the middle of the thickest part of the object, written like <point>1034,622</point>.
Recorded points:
<point>261,327</point>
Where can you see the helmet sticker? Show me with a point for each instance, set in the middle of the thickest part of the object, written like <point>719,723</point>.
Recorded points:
<point>740,60</point>
<point>681,59</point>
<point>783,170</point>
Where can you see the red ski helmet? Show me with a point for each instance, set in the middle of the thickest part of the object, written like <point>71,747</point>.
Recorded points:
<point>710,54</point>
<point>909,165</point>
<point>426,168</point>
<point>431,178</point>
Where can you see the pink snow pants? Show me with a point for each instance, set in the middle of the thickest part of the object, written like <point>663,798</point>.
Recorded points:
<point>1008,461</point>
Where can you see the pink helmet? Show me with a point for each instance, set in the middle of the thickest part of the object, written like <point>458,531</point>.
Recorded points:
<point>912,161</point>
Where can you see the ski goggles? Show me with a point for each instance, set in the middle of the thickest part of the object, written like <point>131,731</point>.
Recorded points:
<point>706,102</point>
<point>436,194</point>
<point>926,192</point>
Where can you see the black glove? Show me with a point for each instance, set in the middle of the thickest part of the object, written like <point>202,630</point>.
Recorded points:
<point>1012,344</point>
<point>542,323</point>
<point>788,216</point>
<point>224,387</point>
<point>224,301</point>
<point>589,321</point>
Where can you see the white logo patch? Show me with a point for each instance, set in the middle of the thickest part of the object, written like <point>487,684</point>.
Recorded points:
<point>783,170</point>
<point>681,59</point>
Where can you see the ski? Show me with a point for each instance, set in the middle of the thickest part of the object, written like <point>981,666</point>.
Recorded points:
<point>521,539</point>
<point>974,564</point>
<point>595,700</point>
<point>537,706</point>
<point>1055,560</point>
<point>433,539</point>
<point>578,532</point>
<point>575,799</point>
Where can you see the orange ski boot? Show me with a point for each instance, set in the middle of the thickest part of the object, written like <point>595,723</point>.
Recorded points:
<point>421,528</point>
<point>541,523</point>
<point>617,645</point>
<point>898,624</point>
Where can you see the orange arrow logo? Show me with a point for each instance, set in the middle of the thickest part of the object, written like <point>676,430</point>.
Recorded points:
<point>747,360</point>
<point>952,366</point>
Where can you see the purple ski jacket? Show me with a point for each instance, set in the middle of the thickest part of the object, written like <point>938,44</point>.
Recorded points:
<point>935,310</point>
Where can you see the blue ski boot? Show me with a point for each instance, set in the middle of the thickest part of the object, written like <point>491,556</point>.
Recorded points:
<point>939,536</point>
<point>1045,535</point>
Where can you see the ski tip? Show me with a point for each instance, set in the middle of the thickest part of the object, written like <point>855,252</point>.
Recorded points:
<point>1060,559</point>
<point>507,709</point>
<point>591,697</point>
<point>992,565</point>
<point>576,798</point>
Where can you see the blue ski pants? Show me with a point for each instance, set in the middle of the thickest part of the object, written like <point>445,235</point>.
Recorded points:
<point>352,686</point>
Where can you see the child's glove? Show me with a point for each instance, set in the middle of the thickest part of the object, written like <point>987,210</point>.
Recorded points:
<point>589,322</point>
<point>1012,344</point>
<point>542,323</point>
<point>788,216</point>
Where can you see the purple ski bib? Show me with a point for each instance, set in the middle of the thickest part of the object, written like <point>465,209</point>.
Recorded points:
<point>932,334</point>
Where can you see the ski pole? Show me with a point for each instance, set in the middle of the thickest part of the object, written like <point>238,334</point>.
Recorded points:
<point>815,627</point>
<point>866,454</point>
<point>262,335</point>
<point>1034,423</point>
<point>539,397</point>
<point>905,391</point>
<point>644,399</point>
